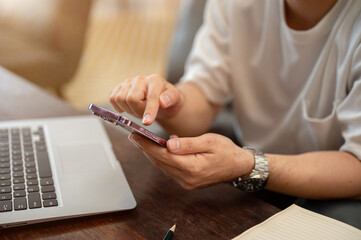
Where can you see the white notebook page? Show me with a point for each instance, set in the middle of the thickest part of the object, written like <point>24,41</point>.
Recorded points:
<point>296,223</point>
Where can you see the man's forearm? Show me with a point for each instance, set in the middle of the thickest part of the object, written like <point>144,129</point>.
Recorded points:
<point>316,175</point>
<point>196,115</point>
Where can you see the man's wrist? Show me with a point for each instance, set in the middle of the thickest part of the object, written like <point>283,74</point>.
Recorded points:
<point>249,159</point>
<point>258,177</point>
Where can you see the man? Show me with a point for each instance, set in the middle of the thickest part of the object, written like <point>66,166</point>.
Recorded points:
<point>292,70</point>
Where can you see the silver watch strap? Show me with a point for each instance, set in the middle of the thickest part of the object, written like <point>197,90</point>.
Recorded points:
<point>261,164</point>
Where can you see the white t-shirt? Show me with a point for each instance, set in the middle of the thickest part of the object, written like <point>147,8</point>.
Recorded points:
<point>292,91</point>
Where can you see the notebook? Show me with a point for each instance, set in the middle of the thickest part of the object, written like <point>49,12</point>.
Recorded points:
<point>58,168</point>
<point>297,223</point>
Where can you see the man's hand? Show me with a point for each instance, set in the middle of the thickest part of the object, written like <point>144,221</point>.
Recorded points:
<point>147,97</point>
<point>200,161</point>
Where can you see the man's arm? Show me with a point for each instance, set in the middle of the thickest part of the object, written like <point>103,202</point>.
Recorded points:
<point>316,175</point>
<point>201,161</point>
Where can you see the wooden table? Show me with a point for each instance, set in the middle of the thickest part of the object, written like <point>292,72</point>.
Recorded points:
<point>218,212</point>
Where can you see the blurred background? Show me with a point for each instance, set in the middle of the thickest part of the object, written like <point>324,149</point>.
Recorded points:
<point>80,49</point>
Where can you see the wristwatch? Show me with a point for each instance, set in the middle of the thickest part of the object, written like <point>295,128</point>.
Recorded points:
<point>258,178</point>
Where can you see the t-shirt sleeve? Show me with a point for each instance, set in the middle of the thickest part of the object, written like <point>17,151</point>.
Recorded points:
<point>349,112</point>
<point>208,64</point>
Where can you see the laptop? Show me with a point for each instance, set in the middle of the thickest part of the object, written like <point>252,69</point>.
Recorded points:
<point>58,168</point>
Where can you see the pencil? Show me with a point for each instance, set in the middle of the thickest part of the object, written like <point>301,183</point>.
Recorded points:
<point>170,233</point>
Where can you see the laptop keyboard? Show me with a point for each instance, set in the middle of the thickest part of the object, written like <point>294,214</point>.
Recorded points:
<point>25,175</point>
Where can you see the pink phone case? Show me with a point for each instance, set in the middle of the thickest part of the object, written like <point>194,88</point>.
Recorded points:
<point>126,123</point>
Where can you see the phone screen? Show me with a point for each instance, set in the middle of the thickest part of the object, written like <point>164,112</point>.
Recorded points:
<point>119,120</point>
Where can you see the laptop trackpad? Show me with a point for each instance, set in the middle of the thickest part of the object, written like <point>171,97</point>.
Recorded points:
<point>86,158</point>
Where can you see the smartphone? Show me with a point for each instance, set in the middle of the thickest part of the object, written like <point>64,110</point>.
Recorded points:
<point>119,120</point>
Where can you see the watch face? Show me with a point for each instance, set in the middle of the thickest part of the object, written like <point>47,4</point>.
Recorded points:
<point>253,184</point>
